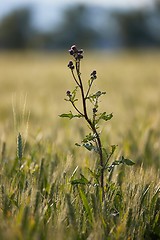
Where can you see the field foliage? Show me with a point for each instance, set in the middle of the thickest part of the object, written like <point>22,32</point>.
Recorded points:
<point>39,158</point>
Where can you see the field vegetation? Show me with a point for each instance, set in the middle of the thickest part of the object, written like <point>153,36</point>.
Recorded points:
<point>39,158</point>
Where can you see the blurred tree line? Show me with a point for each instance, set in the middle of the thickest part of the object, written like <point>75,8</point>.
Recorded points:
<point>138,28</point>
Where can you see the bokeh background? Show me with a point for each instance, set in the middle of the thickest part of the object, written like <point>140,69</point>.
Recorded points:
<point>38,156</point>
<point>35,24</point>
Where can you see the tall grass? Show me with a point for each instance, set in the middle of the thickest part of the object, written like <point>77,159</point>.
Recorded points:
<point>37,200</point>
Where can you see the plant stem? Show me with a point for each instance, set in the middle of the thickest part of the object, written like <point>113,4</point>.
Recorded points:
<point>76,108</point>
<point>82,90</point>
<point>101,159</point>
<point>92,125</point>
<point>89,89</point>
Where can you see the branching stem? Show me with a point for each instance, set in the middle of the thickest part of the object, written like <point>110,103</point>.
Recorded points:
<point>92,125</point>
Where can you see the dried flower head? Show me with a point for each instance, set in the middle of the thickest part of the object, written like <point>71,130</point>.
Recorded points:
<point>71,65</point>
<point>93,74</point>
<point>94,110</point>
<point>77,54</point>
<point>68,93</point>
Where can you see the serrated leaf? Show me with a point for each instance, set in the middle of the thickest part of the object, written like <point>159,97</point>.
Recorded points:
<point>88,138</point>
<point>66,115</point>
<point>96,95</point>
<point>70,115</point>
<point>99,93</point>
<point>105,116</point>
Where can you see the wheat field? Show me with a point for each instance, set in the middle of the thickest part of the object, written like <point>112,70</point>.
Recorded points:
<point>37,200</point>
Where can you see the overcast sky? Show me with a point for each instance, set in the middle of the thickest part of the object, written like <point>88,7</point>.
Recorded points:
<point>109,3</point>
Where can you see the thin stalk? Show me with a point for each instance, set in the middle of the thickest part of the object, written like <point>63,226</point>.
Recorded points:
<point>101,159</point>
<point>75,78</point>
<point>82,90</point>
<point>90,85</point>
<point>92,127</point>
<point>76,109</point>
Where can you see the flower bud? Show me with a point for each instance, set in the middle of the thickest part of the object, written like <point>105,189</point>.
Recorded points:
<point>68,93</point>
<point>70,65</point>
<point>74,48</point>
<point>71,51</point>
<point>80,51</point>
<point>94,110</point>
<point>77,54</point>
<point>93,74</point>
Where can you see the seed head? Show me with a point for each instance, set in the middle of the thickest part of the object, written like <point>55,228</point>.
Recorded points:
<point>93,74</point>
<point>71,51</point>
<point>68,93</point>
<point>94,110</point>
<point>80,51</point>
<point>74,48</point>
<point>71,65</point>
<point>77,54</point>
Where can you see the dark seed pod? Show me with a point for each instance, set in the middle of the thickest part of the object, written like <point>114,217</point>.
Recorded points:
<point>71,51</point>
<point>68,93</point>
<point>70,65</point>
<point>77,54</point>
<point>94,72</point>
<point>94,110</point>
<point>74,48</point>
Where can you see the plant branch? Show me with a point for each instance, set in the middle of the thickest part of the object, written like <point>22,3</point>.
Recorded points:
<point>82,91</point>
<point>90,85</point>
<point>74,77</point>
<point>76,108</point>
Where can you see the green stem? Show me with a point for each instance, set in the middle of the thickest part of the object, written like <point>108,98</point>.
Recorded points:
<point>92,127</point>
<point>89,89</point>
<point>76,108</point>
<point>75,78</point>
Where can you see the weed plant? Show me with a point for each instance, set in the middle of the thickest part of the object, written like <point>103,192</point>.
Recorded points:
<point>91,141</point>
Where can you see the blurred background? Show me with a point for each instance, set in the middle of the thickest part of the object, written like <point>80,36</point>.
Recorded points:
<point>121,40</point>
<point>98,24</point>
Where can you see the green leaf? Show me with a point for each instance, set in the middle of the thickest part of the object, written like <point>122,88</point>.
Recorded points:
<point>127,161</point>
<point>113,148</point>
<point>77,181</point>
<point>105,116</point>
<point>70,115</point>
<point>82,180</point>
<point>94,175</point>
<point>99,93</point>
<point>95,96</point>
<point>86,205</point>
<point>88,138</point>
<point>74,94</point>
